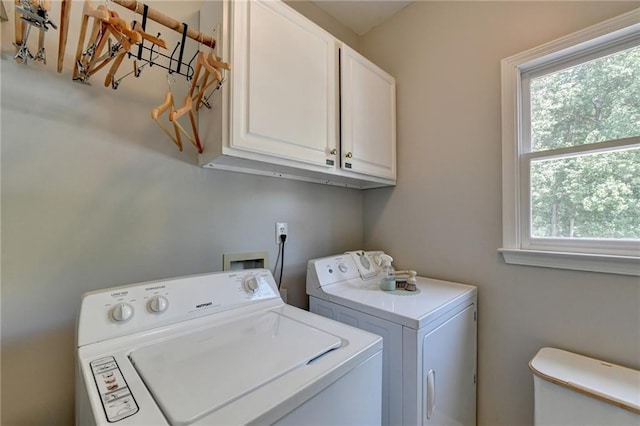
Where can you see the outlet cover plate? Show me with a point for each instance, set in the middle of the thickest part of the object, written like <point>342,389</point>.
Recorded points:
<point>281,228</point>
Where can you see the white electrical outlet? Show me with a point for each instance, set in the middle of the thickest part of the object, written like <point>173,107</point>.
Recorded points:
<point>281,229</point>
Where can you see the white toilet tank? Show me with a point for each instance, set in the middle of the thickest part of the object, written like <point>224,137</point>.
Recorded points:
<point>571,389</point>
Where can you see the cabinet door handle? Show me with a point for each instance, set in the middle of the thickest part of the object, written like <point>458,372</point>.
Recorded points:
<point>431,393</point>
<point>348,155</point>
<point>334,151</point>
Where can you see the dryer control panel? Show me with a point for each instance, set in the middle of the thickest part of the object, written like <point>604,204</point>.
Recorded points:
<point>331,270</point>
<point>360,264</point>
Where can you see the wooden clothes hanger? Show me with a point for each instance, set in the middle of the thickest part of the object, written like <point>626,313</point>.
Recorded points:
<point>158,111</point>
<point>211,66</point>
<point>100,15</point>
<point>137,26</point>
<point>65,12</point>
<point>123,27</point>
<point>107,24</point>
<point>213,60</point>
<point>201,62</point>
<point>127,43</point>
<point>187,108</point>
<point>110,77</point>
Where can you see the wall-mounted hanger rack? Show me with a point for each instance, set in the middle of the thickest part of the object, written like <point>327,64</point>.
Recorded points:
<point>107,26</point>
<point>111,40</point>
<point>167,21</point>
<point>174,63</point>
<point>89,60</point>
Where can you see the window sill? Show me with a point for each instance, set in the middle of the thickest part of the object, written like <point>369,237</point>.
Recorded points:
<point>610,264</point>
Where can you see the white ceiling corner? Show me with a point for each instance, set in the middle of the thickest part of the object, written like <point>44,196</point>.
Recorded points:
<point>360,16</point>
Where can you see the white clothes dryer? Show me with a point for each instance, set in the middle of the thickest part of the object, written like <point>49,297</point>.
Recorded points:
<point>430,337</point>
<point>220,348</point>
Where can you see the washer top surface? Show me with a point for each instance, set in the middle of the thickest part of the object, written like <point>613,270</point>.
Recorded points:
<point>219,365</point>
<point>412,311</point>
<point>222,352</point>
<point>415,311</point>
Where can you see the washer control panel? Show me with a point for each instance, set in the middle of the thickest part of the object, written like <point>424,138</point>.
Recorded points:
<point>158,304</point>
<point>129,309</point>
<point>250,284</point>
<point>117,401</point>
<point>121,312</point>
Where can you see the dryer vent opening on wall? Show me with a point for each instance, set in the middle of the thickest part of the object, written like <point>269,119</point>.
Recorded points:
<point>238,261</point>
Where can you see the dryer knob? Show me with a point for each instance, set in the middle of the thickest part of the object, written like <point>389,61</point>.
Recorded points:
<point>343,268</point>
<point>122,312</point>
<point>250,284</point>
<point>158,304</point>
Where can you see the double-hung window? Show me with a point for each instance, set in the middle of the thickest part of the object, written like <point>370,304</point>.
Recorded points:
<point>571,151</point>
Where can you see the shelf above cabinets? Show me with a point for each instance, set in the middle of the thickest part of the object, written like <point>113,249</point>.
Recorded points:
<point>298,104</point>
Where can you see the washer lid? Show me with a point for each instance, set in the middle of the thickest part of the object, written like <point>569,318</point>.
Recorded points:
<point>194,375</point>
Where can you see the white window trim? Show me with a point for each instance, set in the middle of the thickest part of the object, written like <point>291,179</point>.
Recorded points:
<point>617,28</point>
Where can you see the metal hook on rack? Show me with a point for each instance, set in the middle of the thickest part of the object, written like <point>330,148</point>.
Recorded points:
<point>168,62</point>
<point>170,69</point>
<point>137,70</point>
<point>205,99</point>
<point>190,67</point>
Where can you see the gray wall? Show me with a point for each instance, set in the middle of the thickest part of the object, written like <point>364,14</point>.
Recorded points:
<point>94,196</point>
<point>444,217</point>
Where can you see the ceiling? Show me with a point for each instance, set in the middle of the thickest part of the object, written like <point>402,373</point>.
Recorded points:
<point>361,16</point>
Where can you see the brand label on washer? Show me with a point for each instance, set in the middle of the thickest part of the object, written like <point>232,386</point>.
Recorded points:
<point>204,305</point>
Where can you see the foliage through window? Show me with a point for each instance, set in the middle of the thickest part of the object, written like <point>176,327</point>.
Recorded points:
<point>571,150</point>
<point>591,195</point>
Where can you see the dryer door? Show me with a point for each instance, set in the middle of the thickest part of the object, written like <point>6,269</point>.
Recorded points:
<point>449,372</point>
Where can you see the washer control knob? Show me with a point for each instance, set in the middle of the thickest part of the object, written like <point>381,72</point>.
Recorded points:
<point>158,304</point>
<point>122,312</point>
<point>250,284</point>
<point>343,267</point>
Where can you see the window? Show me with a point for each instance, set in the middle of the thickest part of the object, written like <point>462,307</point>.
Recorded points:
<point>571,151</point>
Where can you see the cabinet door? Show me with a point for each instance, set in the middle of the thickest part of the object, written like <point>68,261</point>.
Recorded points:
<point>284,84</point>
<point>368,116</point>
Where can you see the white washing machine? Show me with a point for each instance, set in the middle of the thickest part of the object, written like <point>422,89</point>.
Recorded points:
<point>430,337</point>
<point>221,349</point>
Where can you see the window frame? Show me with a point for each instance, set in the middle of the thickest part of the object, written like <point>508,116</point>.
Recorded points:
<point>619,257</point>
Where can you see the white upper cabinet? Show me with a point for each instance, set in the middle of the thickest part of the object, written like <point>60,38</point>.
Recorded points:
<point>368,111</point>
<point>285,87</point>
<point>282,111</point>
